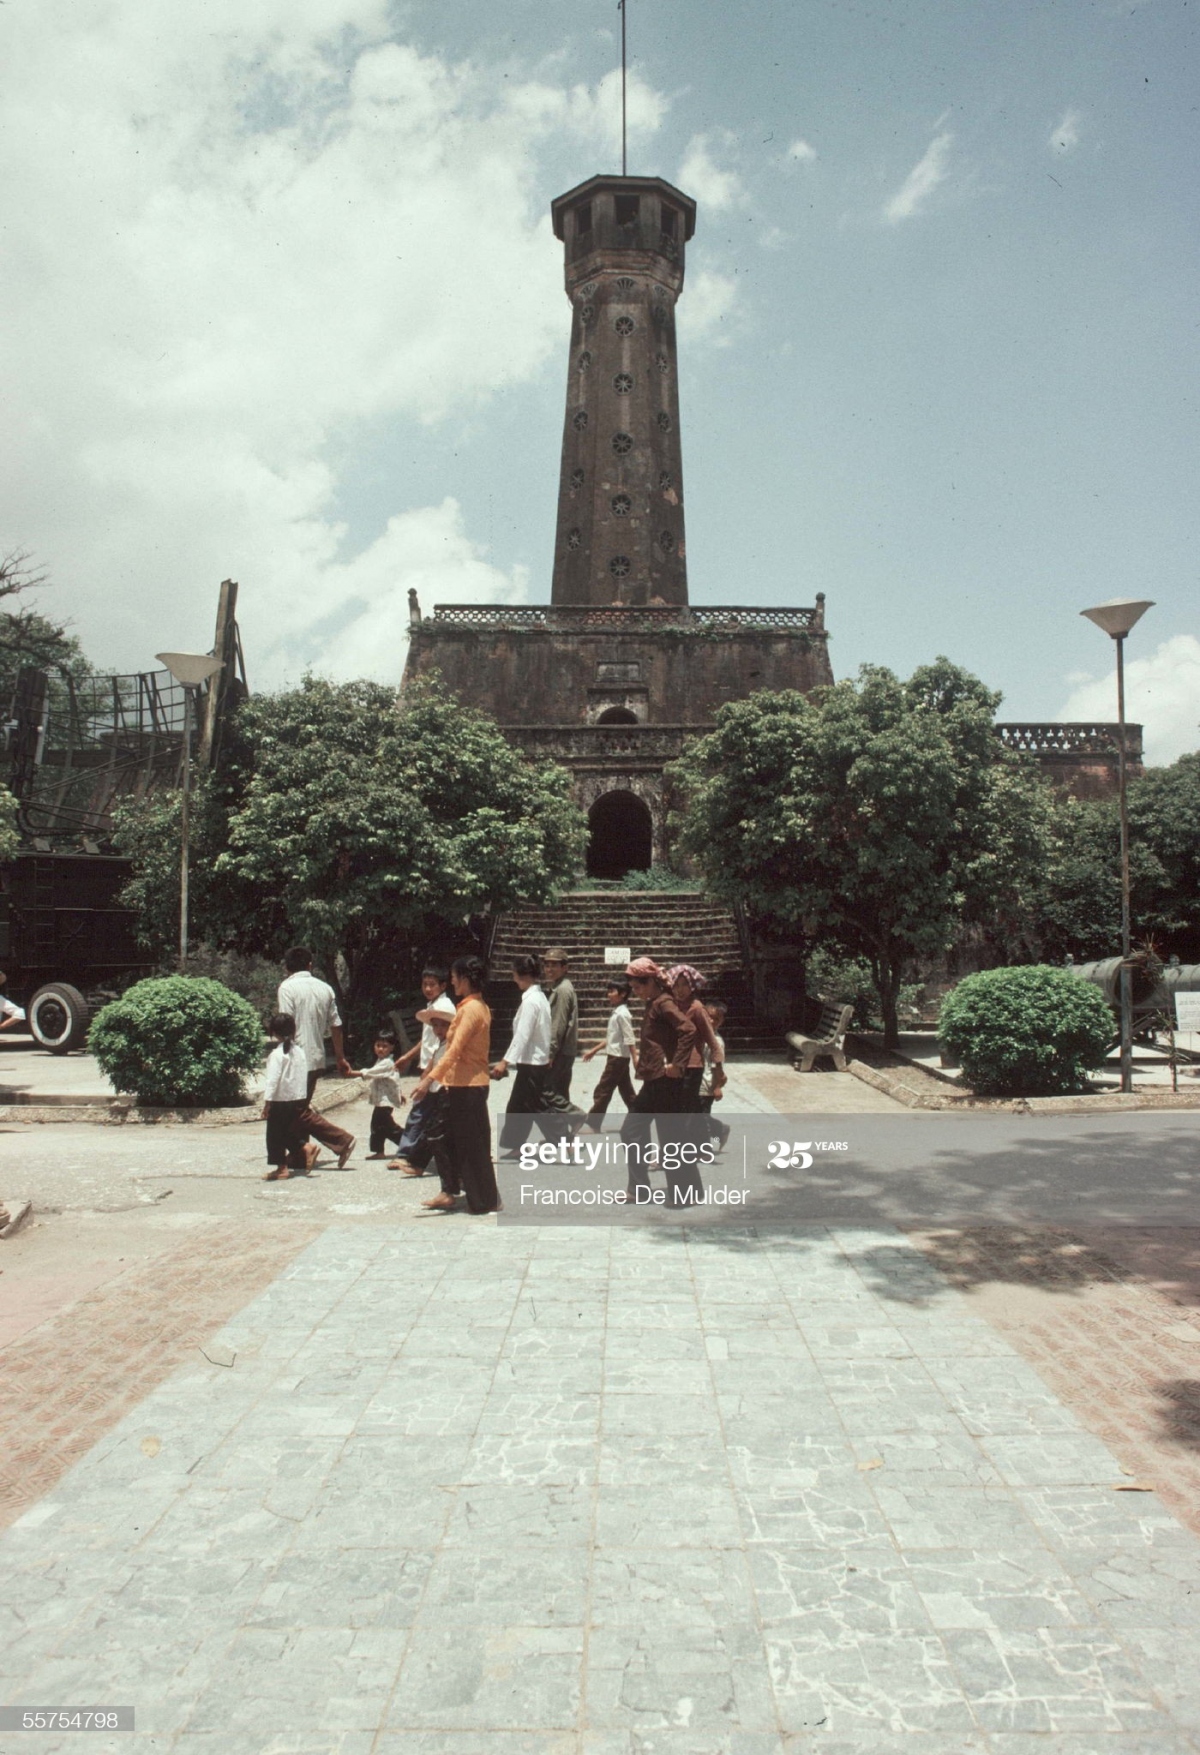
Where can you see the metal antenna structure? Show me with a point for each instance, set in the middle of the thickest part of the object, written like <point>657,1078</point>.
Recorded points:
<point>624,64</point>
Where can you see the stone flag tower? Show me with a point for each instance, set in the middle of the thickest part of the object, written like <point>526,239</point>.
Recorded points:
<point>620,499</point>
<point>619,669</point>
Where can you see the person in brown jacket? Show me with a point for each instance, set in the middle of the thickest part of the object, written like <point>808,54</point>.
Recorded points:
<point>664,1049</point>
<point>686,984</point>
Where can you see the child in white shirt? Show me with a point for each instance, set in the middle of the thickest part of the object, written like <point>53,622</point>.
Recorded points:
<point>285,1099</point>
<point>383,1085</point>
<point>619,1052</point>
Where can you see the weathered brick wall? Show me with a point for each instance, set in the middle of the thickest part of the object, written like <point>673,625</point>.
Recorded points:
<point>670,676</point>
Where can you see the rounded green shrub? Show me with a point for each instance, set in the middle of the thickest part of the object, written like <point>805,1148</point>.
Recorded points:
<point>1026,1032</point>
<point>179,1041</point>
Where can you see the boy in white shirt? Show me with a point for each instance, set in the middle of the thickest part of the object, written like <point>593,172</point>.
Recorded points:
<point>620,1055</point>
<point>411,1153</point>
<point>430,1147</point>
<point>383,1087</point>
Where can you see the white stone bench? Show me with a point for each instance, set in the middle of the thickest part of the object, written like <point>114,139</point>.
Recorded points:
<point>826,1041</point>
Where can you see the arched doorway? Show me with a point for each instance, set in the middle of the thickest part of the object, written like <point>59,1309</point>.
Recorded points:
<point>617,716</point>
<point>621,835</point>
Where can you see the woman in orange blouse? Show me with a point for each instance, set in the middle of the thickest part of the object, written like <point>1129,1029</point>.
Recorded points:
<point>463,1072</point>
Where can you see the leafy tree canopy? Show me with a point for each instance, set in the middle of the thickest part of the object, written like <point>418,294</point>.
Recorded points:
<point>878,816</point>
<point>1078,911</point>
<point>356,822</point>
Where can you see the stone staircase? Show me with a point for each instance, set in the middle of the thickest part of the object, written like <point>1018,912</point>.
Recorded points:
<point>672,926</point>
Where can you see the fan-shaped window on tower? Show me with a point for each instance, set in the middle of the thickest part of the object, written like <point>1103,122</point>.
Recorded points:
<point>586,313</point>
<point>622,505</point>
<point>624,325</point>
<point>666,480</point>
<point>622,383</point>
<point>585,360</point>
<point>664,422</point>
<point>577,480</point>
<point>662,362</point>
<point>666,541</point>
<point>620,566</point>
<point>574,537</point>
<point>622,443</point>
<point>625,284</point>
<point>579,420</point>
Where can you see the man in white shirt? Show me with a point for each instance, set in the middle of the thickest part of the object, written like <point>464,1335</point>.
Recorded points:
<point>314,1006</point>
<point>529,1054</point>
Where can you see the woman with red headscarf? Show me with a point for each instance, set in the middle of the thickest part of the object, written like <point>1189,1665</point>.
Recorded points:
<point>664,1050</point>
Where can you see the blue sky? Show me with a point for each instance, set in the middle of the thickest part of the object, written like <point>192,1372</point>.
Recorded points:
<point>289,309</point>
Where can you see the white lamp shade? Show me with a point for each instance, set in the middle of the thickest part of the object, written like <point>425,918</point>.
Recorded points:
<point>190,668</point>
<point>1119,614</point>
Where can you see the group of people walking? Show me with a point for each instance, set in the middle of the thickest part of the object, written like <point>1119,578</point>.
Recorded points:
<point>677,1054</point>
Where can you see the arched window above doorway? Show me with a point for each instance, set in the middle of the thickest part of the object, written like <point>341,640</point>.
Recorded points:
<point>620,835</point>
<point>617,716</point>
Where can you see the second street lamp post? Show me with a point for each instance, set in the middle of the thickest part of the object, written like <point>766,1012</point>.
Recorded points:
<point>191,670</point>
<point>1117,617</point>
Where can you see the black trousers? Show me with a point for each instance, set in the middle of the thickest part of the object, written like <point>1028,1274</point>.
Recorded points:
<point>384,1127</point>
<point>526,1100</point>
<point>615,1077</point>
<point>659,1105</point>
<point>285,1136</point>
<point>469,1137</point>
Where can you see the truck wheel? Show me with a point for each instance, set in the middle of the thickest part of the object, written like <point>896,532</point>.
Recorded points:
<point>59,1017</point>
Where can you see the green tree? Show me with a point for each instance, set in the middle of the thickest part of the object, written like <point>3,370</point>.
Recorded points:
<point>1078,910</point>
<point>358,823</point>
<point>877,816</point>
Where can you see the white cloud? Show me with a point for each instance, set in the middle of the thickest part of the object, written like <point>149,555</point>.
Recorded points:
<point>702,178</point>
<point>1162,692</point>
<point>920,182</point>
<point>801,153</point>
<point>1065,137</point>
<point>238,239</point>
<point>706,306</point>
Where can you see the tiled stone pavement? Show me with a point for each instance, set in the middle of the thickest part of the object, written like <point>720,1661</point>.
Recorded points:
<point>483,1491</point>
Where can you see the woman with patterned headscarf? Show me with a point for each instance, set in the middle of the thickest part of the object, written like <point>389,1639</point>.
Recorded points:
<point>686,985</point>
<point>664,1050</point>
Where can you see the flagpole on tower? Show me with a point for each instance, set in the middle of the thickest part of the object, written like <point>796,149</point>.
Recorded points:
<point>624,154</point>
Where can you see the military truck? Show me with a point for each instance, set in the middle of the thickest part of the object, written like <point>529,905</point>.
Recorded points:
<point>76,747</point>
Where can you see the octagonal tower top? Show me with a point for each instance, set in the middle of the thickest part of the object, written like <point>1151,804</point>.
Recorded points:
<point>645,215</point>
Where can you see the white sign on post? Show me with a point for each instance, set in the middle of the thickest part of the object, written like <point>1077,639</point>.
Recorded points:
<point>618,954</point>
<point>1187,1011</point>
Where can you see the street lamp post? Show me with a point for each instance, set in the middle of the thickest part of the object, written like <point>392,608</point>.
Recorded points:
<point>191,670</point>
<point>1117,617</point>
